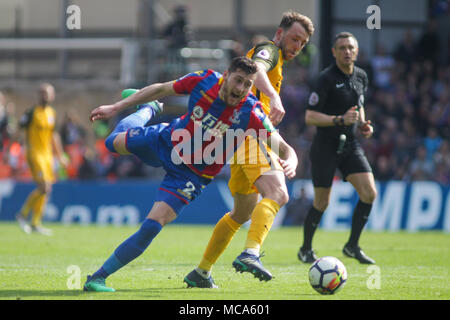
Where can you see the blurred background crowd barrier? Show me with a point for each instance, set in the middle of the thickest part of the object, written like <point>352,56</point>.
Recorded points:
<point>416,206</point>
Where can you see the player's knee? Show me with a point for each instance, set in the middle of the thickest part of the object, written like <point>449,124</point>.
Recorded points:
<point>321,204</point>
<point>109,142</point>
<point>280,196</point>
<point>284,198</point>
<point>369,195</point>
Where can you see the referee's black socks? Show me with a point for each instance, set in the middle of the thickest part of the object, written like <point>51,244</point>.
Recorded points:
<point>359,220</point>
<point>309,228</point>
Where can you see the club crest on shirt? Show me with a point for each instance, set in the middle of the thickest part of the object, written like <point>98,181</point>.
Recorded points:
<point>313,99</point>
<point>235,117</point>
<point>197,113</point>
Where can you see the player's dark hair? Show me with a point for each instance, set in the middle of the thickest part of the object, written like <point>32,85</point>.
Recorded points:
<point>343,35</point>
<point>243,63</point>
<point>289,17</point>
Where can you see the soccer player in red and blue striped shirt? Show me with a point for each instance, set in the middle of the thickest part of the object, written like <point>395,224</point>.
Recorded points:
<point>192,149</point>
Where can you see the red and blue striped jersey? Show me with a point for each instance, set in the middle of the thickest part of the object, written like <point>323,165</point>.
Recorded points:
<point>210,131</point>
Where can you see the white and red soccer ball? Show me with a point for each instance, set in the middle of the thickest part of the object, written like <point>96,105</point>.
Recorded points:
<point>327,275</point>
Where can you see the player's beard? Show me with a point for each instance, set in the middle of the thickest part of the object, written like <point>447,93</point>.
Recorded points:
<point>287,55</point>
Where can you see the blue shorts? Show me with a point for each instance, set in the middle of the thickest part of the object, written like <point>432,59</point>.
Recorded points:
<point>180,185</point>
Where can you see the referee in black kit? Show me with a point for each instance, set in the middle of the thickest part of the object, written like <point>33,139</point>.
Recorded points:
<point>336,108</point>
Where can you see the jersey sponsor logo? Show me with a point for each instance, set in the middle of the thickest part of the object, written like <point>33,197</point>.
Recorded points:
<point>313,99</point>
<point>263,54</point>
<point>210,123</point>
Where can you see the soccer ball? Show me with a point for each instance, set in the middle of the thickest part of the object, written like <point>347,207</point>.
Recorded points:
<point>327,275</point>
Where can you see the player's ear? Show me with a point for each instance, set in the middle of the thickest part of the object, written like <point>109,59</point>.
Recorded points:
<point>225,74</point>
<point>333,51</point>
<point>278,35</point>
<point>356,53</point>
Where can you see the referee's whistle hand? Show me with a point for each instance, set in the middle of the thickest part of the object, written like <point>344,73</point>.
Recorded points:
<point>351,116</point>
<point>366,129</point>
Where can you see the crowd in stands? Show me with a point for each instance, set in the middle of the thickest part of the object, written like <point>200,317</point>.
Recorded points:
<point>408,103</point>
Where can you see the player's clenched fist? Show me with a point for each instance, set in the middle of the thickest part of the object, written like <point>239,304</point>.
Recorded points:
<point>276,111</point>
<point>289,167</point>
<point>351,116</point>
<point>366,129</point>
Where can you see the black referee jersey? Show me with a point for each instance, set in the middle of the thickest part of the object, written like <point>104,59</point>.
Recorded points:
<point>333,94</point>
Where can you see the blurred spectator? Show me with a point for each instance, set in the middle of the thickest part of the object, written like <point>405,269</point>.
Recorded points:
<point>177,32</point>
<point>428,45</point>
<point>385,145</point>
<point>258,38</point>
<point>421,167</point>
<point>382,64</point>
<point>405,51</point>
<point>383,169</point>
<point>364,63</point>
<point>8,122</point>
<point>297,209</point>
<point>237,47</point>
<point>439,7</point>
<point>432,143</point>
<point>442,163</point>
<point>87,170</point>
<point>3,120</point>
<point>404,150</point>
<point>71,130</point>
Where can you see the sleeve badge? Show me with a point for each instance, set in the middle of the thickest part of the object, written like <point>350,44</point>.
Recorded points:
<point>313,99</point>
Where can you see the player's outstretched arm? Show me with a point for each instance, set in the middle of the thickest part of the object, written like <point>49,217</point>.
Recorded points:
<point>288,157</point>
<point>152,92</point>
<point>262,83</point>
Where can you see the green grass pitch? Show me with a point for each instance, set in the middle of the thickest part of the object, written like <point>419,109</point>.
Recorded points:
<point>410,265</point>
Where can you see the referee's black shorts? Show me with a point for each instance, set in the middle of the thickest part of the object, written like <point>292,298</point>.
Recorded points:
<point>325,161</point>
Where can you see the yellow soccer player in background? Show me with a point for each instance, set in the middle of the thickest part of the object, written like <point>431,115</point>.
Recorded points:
<point>41,140</point>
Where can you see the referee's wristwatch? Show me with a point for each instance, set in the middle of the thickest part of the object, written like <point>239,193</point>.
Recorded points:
<point>338,120</point>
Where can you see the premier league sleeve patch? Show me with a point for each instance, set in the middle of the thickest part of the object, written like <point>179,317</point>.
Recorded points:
<point>313,99</point>
<point>263,54</point>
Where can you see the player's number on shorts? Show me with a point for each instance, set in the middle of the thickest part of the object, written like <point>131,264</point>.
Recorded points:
<point>190,188</point>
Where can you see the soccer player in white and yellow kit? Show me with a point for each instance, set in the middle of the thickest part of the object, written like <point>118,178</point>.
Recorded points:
<point>41,139</point>
<point>257,171</point>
